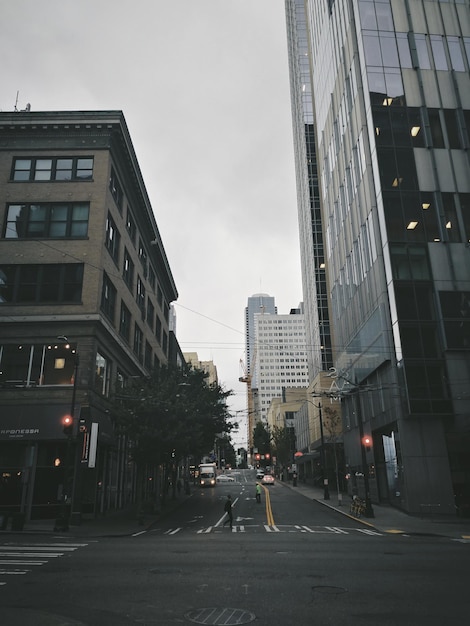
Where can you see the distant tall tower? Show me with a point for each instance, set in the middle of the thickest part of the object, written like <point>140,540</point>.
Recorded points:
<point>258,303</point>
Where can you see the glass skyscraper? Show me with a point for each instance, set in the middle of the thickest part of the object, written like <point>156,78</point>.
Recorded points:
<point>390,87</point>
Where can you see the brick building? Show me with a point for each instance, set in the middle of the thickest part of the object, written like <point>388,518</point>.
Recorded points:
<point>85,294</point>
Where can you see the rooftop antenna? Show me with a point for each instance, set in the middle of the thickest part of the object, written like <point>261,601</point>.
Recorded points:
<point>16,101</point>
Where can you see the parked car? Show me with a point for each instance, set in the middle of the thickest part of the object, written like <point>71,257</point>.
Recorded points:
<point>267,479</point>
<point>223,478</point>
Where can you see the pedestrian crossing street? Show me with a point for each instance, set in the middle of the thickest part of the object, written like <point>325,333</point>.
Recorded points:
<point>18,559</point>
<point>265,528</point>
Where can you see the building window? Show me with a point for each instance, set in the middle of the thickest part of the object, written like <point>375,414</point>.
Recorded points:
<point>29,365</point>
<point>108,298</point>
<point>116,190</point>
<point>128,270</point>
<point>140,296</point>
<point>165,343</point>
<point>148,355</point>
<point>152,279</point>
<point>455,307</point>
<point>130,226</point>
<point>102,374</point>
<point>41,284</point>
<point>138,342</point>
<point>150,313</point>
<point>61,220</point>
<point>159,296</point>
<point>158,329</point>
<point>143,257</point>
<point>53,169</point>
<point>125,322</point>
<point>112,239</point>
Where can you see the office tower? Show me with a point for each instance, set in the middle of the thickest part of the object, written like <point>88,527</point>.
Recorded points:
<point>314,286</point>
<point>257,303</point>
<point>391,110</point>
<point>85,293</point>
<point>281,356</point>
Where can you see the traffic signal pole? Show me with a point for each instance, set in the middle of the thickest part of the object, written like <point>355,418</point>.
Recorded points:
<point>68,421</point>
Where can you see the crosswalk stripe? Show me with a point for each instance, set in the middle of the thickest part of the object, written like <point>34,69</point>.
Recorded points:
<point>271,529</point>
<point>47,548</point>
<point>44,555</point>
<point>338,531</point>
<point>17,558</point>
<point>22,562</point>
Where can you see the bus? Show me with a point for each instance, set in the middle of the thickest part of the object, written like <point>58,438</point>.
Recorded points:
<point>207,475</point>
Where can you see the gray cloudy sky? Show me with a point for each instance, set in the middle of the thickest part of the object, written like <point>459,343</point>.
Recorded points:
<point>203,85</point>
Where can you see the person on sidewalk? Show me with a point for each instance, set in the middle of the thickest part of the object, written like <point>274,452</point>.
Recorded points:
<point>258,493</point>
<point>228,510</point>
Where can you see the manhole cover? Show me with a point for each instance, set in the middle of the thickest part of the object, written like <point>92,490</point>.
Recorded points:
<point>214,616</point>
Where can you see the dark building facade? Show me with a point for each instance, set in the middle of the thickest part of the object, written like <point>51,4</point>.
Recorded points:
<point>391,108</point>
<point>85,294</point>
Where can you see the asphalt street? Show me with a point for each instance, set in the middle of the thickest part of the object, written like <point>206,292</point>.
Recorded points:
<point>292,559</point>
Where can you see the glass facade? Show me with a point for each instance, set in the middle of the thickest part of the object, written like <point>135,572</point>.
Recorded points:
<point>391,94</point>
<point>317,323</point>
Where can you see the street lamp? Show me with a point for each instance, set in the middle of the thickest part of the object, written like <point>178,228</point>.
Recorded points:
<point>62,521</point>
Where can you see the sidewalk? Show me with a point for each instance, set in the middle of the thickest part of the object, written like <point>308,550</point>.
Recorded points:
<point>120,523</point>
<point>388,519</point>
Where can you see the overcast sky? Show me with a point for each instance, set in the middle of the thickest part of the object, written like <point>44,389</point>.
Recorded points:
<point>204,88</point>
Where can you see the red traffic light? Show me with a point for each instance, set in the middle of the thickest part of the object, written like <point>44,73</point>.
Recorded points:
<point>67,423</point>
<point>367,441</point>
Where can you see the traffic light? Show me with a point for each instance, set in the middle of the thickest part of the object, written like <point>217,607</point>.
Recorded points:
<point>67,423</point>
<point>367,442</point>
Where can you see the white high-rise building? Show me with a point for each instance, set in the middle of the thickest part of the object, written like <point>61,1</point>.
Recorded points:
<point>281,356</point>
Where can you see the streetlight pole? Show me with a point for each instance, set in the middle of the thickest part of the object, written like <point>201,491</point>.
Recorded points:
<point>326,490</point>
<point>369,511</point>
